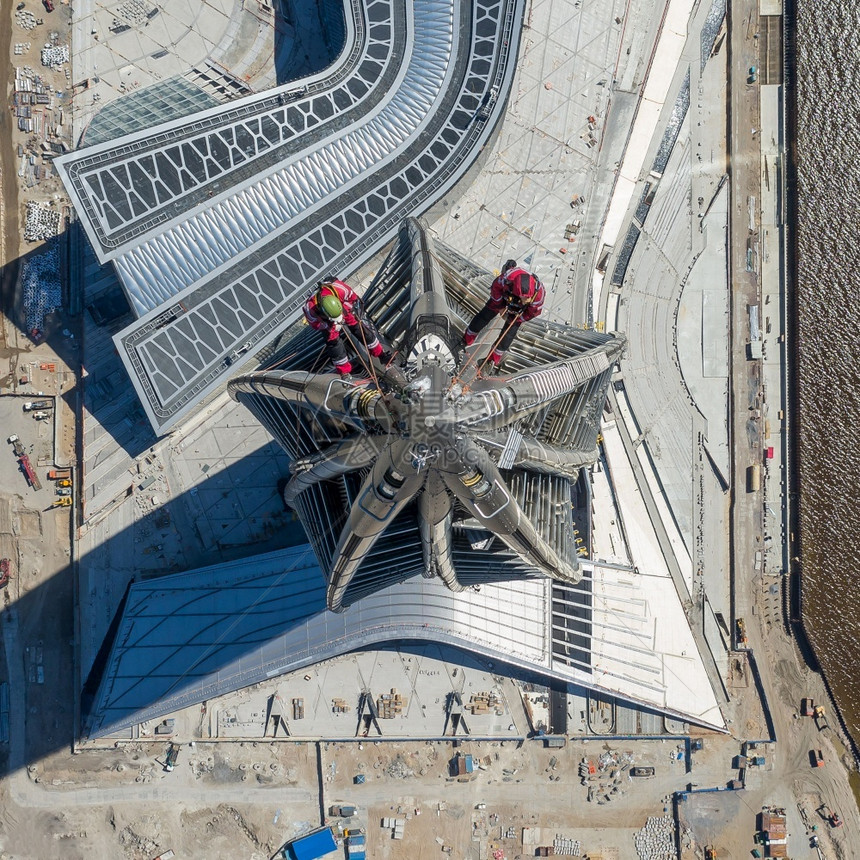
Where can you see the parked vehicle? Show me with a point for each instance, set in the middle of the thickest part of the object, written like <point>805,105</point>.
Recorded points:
<point>29,471</point>
<point>753,478</point>
<point>64,482</point>
<point>832,817</point>
<point>172,756</point>
<point>60,474</point>
<point>64,491</point>
<point>41,416</point>
<point>62,502</point>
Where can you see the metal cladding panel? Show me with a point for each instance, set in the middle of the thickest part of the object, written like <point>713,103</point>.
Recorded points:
<point>187,637</point>
<point>436,442</point>
<point>241,623</point>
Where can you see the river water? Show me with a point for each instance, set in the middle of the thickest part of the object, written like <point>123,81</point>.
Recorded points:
<point>828,260</point>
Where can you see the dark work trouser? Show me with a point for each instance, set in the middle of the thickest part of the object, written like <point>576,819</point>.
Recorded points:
<point>509,331</point>
<point>336,349</point>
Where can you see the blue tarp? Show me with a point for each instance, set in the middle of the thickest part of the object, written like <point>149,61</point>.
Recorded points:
<point>312,846</point>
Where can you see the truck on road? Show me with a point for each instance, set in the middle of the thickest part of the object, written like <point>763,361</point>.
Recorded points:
<point>31,405</point>
<point>29,472</point>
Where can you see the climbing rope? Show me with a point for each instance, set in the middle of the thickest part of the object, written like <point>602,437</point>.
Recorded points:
<point>513,321</point>
<point>368,366</point>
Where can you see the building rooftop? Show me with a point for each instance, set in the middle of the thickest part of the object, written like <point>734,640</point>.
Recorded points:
<point>480,460</point>
<point>190,637</point>
<point>174,98</point>
<point>218,223</point>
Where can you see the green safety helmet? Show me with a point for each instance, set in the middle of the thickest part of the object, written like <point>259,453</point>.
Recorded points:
<point>329,303</point>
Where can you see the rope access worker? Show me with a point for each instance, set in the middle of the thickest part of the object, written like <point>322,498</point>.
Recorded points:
<point>333,306</point>
<point>520,295</point>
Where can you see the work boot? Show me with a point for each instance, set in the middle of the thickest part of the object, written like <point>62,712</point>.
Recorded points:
<point>469,337</point>
<point>491,368</point>
<point>385,357</point>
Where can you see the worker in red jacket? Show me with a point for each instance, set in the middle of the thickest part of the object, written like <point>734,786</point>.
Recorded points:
<point>520,295</point>
<point>333,306</point>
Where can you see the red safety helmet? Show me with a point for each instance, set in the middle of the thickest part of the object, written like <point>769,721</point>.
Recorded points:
<point>524,288</point>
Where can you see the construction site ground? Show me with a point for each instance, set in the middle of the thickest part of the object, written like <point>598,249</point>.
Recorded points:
<point>247,798</point>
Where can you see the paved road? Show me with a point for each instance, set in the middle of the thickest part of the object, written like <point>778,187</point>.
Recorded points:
<point>27,794</point>
<point>744,181</point>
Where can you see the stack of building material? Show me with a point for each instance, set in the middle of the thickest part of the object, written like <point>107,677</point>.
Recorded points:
<point>396,825</point>
<point>390,705</point>
<point>41,222</point>
<point>54,55</point>
<point>484,702</point>
<point>41,287</point>
<point>656,840</point>
<point>25,19</point>
<point>563,846</point>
